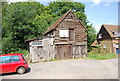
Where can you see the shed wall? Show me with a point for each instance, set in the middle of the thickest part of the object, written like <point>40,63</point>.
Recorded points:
<point>41,53</point>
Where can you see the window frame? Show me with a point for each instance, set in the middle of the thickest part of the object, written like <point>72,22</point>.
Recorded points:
<point>4,61</point>
<point>13,56</point>
<point>65,36</point>
<point>104,46</point>
<point>100,36</point>
<point>37,41</point>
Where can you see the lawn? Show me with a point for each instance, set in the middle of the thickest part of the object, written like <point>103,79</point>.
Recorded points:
<point>101,56</point>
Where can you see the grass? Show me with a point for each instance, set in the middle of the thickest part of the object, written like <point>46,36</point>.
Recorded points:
<point>101,56</point>
<point>53,60</point>
<point>50,60</point>
<point>92,56</point>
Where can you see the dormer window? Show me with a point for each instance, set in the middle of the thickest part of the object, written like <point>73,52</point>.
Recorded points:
<point>115,33</point>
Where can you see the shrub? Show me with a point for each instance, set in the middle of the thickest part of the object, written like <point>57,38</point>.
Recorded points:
<point>24,52</point>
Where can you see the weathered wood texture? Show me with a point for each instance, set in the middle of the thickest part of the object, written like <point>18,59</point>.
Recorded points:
<point>64,51</point>
<point>74,46</point>
<point>71,22</point>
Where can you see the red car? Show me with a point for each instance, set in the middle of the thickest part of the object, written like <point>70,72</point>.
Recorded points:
<point>13,63</point>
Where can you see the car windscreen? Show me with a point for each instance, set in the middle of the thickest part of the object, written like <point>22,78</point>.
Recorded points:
<point>5,59</point>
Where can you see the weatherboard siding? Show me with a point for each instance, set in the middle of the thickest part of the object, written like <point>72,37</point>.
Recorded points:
<point>66,45</point>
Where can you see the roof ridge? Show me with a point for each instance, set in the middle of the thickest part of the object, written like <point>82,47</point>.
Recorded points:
<point>57,21</point>
<point>110,25</point>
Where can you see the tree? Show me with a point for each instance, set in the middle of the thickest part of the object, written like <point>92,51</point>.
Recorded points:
<point>91,36</point>
<point>18,24</point>
<point>28,20</point>
<point>60,8</point>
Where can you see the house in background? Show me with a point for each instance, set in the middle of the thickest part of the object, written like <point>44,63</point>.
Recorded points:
<point>108,38</point>
<point>65,39</point>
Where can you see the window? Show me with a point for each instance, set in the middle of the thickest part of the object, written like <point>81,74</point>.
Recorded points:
<point>14,59</point>
<point>113,33</point>
<point>4,59</point>
<point>116,45</point>
<point>100,36</point>
<point>116,33</point>
<point>37,43</point>
<point>104,46</point>
<point>64,33</point>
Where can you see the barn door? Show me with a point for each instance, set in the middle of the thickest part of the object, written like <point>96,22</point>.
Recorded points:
<point>64,52</point>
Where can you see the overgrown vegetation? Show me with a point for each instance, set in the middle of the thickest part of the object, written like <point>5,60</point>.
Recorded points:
<point>53,60</point>
<point>97,56</point>
<point>24,52</point>
<point>50,60</point>
<point>101,53</point>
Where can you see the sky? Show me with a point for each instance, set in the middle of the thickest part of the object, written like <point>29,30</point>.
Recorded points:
<point>101,13</point>
<point>98,12</point>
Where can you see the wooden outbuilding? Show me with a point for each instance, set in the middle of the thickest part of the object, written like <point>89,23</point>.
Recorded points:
<point>65,39</point>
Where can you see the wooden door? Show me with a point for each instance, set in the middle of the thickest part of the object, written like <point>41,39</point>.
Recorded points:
<point>64,52</point>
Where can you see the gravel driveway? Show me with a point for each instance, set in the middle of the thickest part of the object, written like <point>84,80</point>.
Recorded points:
<point>70,69</point>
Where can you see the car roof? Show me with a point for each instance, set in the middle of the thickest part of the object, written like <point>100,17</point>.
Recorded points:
<point>11,54</point>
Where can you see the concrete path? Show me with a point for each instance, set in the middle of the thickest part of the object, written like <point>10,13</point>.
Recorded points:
<point>70,69</point>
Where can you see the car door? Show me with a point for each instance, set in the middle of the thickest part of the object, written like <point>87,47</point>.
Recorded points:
<point>4,64</point>
<point>14,63</point>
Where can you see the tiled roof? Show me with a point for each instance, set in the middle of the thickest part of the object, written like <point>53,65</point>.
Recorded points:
<point>112,28</point>
<point>95,43</point>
